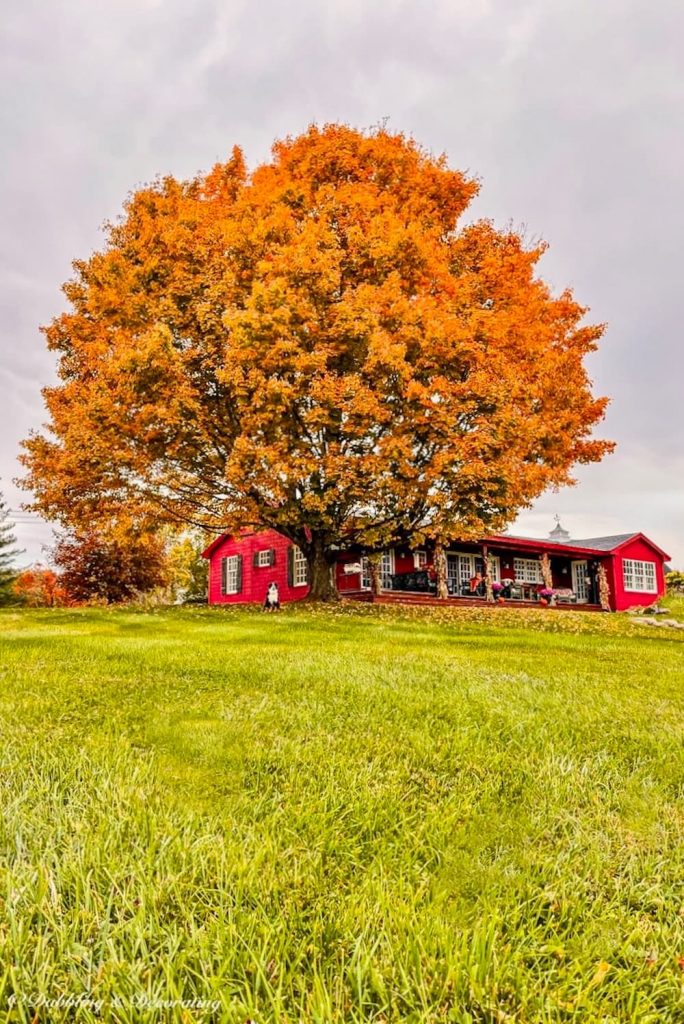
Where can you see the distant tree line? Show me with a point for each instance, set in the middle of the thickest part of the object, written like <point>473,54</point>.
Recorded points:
<point>89,567</point>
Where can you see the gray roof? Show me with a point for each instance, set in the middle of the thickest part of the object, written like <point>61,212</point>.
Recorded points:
<point>604,543</point>
<point>592,543</point>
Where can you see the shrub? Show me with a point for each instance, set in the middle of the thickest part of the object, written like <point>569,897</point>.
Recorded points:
<point>39,587</point>
<point>98,569</point>
<point>675,581</point>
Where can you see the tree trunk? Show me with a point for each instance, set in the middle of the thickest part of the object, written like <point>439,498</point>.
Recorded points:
<point>441,570</point>
<point>323,585</point>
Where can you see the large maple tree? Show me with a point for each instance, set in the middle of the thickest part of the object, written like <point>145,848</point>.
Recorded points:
<point>318,347</point>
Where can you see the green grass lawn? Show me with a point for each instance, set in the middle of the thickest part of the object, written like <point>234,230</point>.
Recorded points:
<point>356,815</point>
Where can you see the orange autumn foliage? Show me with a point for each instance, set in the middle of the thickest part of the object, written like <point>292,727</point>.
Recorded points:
<point>316,347</point>
<point>39,587</point>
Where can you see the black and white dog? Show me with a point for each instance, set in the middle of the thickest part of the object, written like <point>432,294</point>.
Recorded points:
<point>272,602</point>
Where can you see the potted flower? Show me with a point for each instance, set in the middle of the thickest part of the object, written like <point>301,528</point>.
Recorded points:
<point>545,595</point>
<point>497,588</point>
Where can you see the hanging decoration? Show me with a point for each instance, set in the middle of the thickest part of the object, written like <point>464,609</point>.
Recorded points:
<point>603,588</point>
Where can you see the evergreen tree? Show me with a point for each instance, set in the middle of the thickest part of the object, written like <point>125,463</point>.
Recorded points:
<point>8,552</point>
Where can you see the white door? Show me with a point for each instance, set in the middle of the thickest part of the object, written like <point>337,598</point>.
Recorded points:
<point>386,569</point>
<point>579,581</point>
<point>460,571</point>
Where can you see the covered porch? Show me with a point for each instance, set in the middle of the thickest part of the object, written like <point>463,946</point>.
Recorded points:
<point>505,571</point>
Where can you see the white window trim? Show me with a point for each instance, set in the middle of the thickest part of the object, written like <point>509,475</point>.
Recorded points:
<point>419,559</point>
<point>525,574</point>
<point>635,571</point>
<point>232,574</point>
<point>300,569</point>
<point>263,558</point>
<point>366,579</point>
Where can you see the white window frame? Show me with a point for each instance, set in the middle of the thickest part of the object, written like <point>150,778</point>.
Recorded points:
<point>232,574</point>
<point>580,572</point>
<point>527,570</point>
<point>365,573</point>
<point>300,568</point>
<point>419,559</point>
<point>263,558</point>
<point>639,577</point>
<point>386,569</point>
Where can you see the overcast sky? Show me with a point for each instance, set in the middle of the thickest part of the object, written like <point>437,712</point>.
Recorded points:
<point>570,112</point>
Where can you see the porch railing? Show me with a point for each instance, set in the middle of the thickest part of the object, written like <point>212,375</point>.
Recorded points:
<point>420,581</point>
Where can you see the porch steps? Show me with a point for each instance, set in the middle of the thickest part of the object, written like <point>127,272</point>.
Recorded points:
<point>407,597</point>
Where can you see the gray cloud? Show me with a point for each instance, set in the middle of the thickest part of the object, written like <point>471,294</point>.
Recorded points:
<point>570,113</point>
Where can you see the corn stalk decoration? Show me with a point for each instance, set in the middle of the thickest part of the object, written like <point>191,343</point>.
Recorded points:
<point>547,575</point>
<point>604,589</point>
<point>488,574</point>
<point>374,559</point>
<point>440,563</point>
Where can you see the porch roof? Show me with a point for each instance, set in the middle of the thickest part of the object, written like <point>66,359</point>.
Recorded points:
<point>579,547</point>
<point>587,546</point>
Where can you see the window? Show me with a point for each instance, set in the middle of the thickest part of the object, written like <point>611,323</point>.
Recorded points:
<point>527,570</point>
<point>300,569</point>
<point>419,559</point>
<point>466,569</point>
<point>365,574</point>
<point>230,574</point>
<point>263,558</point>
<point>462,568</point>
<point>639,576</point>
<point>386,569</point>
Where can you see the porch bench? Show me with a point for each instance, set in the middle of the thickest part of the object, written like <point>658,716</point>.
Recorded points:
<point>565,596</point>
<point>417,581</point>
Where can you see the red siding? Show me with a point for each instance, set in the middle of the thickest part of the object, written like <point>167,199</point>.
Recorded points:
<point>255,581</point>
<point>347,581</point>
<point>403,560</point>
<point>640,550</point>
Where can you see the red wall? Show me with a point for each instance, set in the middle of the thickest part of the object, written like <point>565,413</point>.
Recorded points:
<point>642,551</point>
<point>404,560</point>
<point>255,581</point>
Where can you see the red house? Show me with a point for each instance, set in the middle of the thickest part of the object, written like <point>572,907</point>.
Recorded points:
<point>242,566</point>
